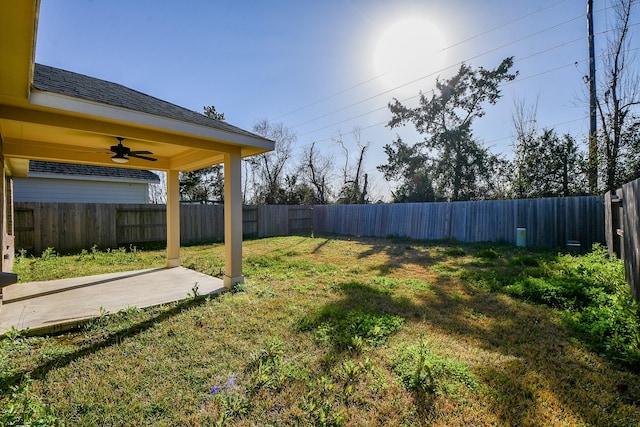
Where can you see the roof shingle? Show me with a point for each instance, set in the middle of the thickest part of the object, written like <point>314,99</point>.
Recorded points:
<point>37,166</point>
<point>68,83</point>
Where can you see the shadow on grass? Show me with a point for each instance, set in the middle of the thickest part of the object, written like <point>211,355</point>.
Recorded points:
<point>40,371</point>
<point>521,351</point>
<point>320,246</point>
<point>364,318</point>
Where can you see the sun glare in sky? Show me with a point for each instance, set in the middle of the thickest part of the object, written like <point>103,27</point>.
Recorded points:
<point>407,50</point>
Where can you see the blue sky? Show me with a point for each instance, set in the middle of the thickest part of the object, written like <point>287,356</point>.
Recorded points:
<point>310,64</point>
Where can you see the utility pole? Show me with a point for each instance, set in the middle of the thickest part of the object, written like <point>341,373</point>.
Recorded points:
<point>593,140</point>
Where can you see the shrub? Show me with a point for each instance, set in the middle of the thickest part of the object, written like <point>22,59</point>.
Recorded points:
<point>488,254</point>
<point>592,290</point>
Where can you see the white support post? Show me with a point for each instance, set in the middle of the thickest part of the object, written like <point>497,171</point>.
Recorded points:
<point>173,219</point>
<point>233,218</point>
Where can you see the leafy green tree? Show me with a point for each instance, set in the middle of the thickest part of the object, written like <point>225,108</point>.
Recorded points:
<point>409,165</point>
<point>203,185</point>
<point>210,111</point>
<point>547,165</point>
<point>457,164</point>
<point>544,164</point>
<point>296,193</point>
<point>207,183</point>
<point>630,165</point>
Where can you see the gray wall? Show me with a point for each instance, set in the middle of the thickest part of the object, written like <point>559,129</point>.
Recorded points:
<point>78,191</point>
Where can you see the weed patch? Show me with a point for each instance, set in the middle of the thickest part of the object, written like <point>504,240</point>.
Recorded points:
<point>419,369</point>
<point>488,254</point>
<point>454,252</point>
<point>353,330</point>
<point>428,376</point>
<point>25,408</point>
<point>590,289</point>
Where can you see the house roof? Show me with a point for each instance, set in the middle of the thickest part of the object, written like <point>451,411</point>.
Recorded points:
<point>68,83</point>
<point>50,169</point>
<point>54,115</point>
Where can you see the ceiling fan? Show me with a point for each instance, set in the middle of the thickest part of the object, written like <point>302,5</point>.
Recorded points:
<point>122,153</point>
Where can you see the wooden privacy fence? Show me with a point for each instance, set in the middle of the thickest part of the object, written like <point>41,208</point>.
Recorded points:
<point>69,227</point>
<point>622,230</point>
<point>551,222</point>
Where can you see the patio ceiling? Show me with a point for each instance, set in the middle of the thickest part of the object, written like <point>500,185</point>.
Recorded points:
<point>67,117</point>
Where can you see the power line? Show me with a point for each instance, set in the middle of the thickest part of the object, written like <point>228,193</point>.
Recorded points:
<point>504,25</point>
<point>516,81</point>
<point>433,73</point>
<point>442,50</point>
<point>415,96</point>
<point>331,96</point>
<point>450,66</point>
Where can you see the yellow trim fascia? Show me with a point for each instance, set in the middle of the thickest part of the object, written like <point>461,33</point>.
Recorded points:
<point>80,106</point>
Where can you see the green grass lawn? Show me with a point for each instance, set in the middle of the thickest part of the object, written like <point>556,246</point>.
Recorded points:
<point>332,331</point>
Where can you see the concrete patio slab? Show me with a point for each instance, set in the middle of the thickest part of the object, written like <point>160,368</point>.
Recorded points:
<point>59,305</point>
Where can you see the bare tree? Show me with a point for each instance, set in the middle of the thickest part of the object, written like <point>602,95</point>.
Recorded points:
<point>270,167</point>
<point>158,192</point>
<point>618,96</point>
<point>355,180</point>
<point>248,182</point>
<point>525,125</point>
<point>316,170</point>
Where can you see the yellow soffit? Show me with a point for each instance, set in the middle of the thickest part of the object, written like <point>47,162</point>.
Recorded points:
<point>110,113</point>
<point>18,21</point>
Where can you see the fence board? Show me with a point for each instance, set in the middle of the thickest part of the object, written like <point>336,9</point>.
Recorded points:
<point>631,230</point>
<point>25,232</point>
<point>250,221</point>
<point>549,222</point>
<point>70,227</point>
<point>300,220</point>
<point>273,221</point>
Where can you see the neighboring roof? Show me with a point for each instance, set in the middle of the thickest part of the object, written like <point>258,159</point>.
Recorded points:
<point>41,169</point>
<point>62,82</point>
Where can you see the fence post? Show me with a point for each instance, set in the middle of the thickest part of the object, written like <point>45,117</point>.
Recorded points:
<point>614,233</point>
<point>618,218</point>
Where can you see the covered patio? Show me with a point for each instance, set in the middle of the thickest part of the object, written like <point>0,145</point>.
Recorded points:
<point>60,116</point>
<point>59,305</point>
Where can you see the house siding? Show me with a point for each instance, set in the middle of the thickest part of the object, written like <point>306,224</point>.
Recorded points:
<point>78,191</point>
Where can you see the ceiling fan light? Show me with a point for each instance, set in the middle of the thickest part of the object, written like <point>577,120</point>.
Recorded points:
<point>119,158</point>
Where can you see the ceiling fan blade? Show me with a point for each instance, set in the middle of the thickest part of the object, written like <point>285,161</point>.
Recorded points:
<point>140,152</point>
<point>142,157</point>
<point>119,149</point>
